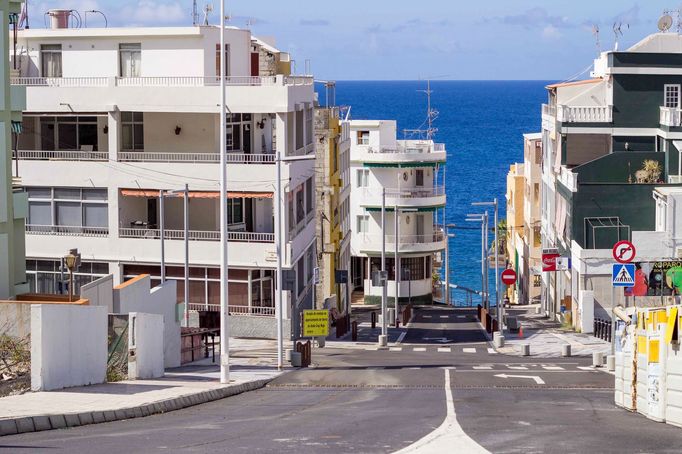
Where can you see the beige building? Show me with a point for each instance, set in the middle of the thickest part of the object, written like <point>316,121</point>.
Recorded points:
<point>531,269</point>
<point>514,239</point>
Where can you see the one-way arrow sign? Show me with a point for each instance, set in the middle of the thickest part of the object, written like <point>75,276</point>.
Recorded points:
<point>537,379</point>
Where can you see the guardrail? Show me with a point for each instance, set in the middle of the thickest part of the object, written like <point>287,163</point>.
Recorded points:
<point>234,310</point>
<point>64,230</point>
<point>196,235</point>
<point>62,155</point>
<point>232,158</point>
<point>671,116</point>
<point>160,81</point>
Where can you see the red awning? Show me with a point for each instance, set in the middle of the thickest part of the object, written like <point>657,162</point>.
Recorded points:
<point>152,193</point>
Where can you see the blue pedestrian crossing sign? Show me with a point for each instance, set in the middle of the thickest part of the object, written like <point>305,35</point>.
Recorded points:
<point>623,275</point>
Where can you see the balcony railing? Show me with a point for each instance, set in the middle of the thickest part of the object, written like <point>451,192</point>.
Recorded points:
<point>585,114</point>
<point>159,81</point>
<point>549,110</point>
<point>234,310</point>
<point>232,158</point>
<point>671,116</point>
<point>407,240</point>
<point>196,235</point>
<point>409,147</point>
<point>63,155</point>
<point>674,179</point>
<point>66,230</point>
<point>406,193</point>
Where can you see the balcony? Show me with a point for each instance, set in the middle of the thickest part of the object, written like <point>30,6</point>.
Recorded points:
<point>62,155</point>
<point>66,230</point>
<point>405,197</point>
<point>425,243</point>
<point>584,114</point>
<point>159,81</point>
<point>235,310</point>
<point>403,151</point>
<point>214,158</point>
<point>196,235</point>
<point>671,117</point>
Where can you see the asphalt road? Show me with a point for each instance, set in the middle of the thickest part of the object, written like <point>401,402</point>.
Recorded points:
<point>357,400</point>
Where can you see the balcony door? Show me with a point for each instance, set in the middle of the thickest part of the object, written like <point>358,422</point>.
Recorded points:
<point>419,226</point>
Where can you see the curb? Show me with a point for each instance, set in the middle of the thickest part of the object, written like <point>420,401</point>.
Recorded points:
<point>24,424</point>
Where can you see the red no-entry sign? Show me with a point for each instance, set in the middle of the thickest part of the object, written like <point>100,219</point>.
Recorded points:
<point>508,277</point>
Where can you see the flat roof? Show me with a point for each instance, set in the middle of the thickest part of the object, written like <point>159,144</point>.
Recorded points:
<point>117,31</point>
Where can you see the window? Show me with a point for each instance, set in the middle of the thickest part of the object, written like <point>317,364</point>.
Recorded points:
<point>217,60</point>
<point>363,137</point>
<point>300,277</point>
<point>45,276</point>
<point>132,131</point>
<point>51,60</point>
<point>235,211</point>
<point>419,176</point>
<point>299,129</point>
<point>130,56</point>
<point>363,223</point>
<point>308,126</point>
<point>238,135</point>
<point>82,211</point>
<point>363,178</point>
<point>309,195</point>
<point>69,133</point>
<point>672,96</point>
<point>412,268</point>
<point>300,210</point>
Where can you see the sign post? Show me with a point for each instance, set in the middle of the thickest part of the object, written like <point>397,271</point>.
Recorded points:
<point>315,323</point>
<point>622,275</point>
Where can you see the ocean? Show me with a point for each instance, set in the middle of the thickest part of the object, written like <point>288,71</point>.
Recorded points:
<point>481,124</point>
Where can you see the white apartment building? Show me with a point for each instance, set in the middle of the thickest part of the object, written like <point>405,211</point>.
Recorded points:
<point>410,173</point>
<point>116,115</point>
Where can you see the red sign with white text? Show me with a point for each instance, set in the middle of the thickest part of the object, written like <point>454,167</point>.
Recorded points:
<point>549,261</point>
<point>508,277</point>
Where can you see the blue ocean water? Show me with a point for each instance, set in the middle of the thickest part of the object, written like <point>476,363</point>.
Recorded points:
<point>481,124</point>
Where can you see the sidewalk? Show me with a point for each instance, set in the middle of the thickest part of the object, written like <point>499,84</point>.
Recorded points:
<point>546,337</point>
<point>252,365</point>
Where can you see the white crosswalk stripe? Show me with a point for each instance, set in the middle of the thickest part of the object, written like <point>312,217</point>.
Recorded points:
<point>483,367</point>
<point>444,349</point>
<point>553,368</point>
<point>469,350</point>
<point>517,367</point>
<point>395,349</point>
<point>491,351</point>
<point>419,349</point>
<point>586,368</point>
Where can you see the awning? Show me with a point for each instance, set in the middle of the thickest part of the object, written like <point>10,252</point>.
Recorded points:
<point>152,193</point>
<point>17,127</point>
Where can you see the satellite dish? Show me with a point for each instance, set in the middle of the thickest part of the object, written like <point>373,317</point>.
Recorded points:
<point>665,22</point>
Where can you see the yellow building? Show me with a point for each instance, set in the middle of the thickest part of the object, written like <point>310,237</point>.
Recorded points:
<point>332,188</point>
<point>514,238</point>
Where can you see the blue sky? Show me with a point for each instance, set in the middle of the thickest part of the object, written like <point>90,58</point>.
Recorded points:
<point>400,39</point>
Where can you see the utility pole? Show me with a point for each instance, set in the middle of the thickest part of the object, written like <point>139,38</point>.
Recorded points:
<point>495,204</point>
<point>278,239</point>
<point>397,267</point>
<point>162,232</point>
<point>383,339</point>
<point>186,210</point>
<point>224,295</point>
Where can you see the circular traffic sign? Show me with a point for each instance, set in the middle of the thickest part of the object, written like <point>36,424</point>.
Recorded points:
<point>624,252</point>
<point>508,277</point>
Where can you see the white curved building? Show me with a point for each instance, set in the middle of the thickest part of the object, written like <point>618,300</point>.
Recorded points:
<point>410,171</point>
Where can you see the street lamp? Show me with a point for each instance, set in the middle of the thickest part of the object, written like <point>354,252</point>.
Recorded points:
<point>71,261</point>
<point>483,219</point>
<point>224,296</point>
<point>497,249</point>
<point>448,235</point>
<point>185,194</point>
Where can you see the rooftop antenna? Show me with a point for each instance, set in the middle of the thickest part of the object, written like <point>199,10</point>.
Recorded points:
<point>208,9</point>
<point>195,13</point>
<point>431,115</point>
<point>666,21</point>
<point>595,33</point>
<point>249,22</point>
<point>618,31</point>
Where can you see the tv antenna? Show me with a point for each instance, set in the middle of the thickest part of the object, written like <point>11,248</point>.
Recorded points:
<point>618,32</point>
<point>249,22</point>
<point>665,22</point>
<point>431,115</point>
<point>208,9</point>
<point>595,33</point>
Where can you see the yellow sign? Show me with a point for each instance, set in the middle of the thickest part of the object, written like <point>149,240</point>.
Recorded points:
<point>672,325</point>
<point>641,345</point>
<point>653,350</point>
<point>315,323</point>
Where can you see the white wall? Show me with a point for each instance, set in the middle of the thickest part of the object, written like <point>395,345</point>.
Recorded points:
<point>100,292</point>
<point>145,345</point>
<point>68,346</point>
<point>137,296</point>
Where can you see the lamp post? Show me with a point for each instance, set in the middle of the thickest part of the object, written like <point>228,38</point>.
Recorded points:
<point>500,314</point>
<point>224,296</point>
<point>448,235</point>
<point>70,261</point>
<point>480,218</point>
<point>383,339</point>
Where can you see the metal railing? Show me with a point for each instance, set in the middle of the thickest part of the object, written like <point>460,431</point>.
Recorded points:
<point>405,240</point>
<point>196,235</point>
<point>549,110</point>
<point>406,193</point>
<point>66,230</point>
<point>671,116</point>
<point>63,155</point>
<point>232,158</point>
<point>602,329</point>
<point>160,81</point>
<point>234,310</point>
<point>584,114</point>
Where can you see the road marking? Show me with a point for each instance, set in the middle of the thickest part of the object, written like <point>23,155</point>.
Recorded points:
<point>469,350</point>
<point>395,349</point>
<point>448,434</point>
<point>448,367</point>
<point>537,379</point>
<point>483,367</point>
<point>401,337</point>
<point>414,368</point>
<point>491,351</point>
<point>552,367</point>
<point>517,367</point>
<point>419,349</point>
<point>426,316</point>
<point>444,349</point>
<point>442,340</point>
<point>461,316</point>
<point>444,316</point>
<point>586,368</point>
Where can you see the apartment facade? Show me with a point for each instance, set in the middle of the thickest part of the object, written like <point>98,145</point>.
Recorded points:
<point>608,143</point>
<point>117,118</point>
<point>13,204</point>
<point>332,188</point>
<point>410,173</point>
<point>514,240</point>
<point>530,275</point>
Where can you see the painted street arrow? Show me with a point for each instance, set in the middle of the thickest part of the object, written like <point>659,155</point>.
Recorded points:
<point>537,379</point>
<point>437,339</point>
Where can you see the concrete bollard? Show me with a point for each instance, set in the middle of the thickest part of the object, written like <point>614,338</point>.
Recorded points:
<point>611,363</point>
<point>321,341</point>
<point>537,309</point>
<point>566,350</point>
<point>287,354</point>
<point>383,340</point>
<point>597,359</point>
<point>296,359</point>
<point>498,340</point>
<point>525,349</point>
